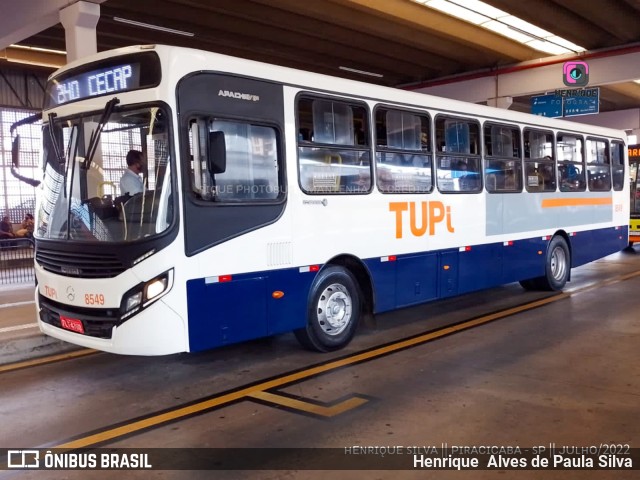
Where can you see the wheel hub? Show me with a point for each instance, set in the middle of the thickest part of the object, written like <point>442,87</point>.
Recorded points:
<point>334,309</point>
<point>558,263</point>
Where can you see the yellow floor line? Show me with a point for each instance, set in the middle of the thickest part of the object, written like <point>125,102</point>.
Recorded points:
<point>303,406</point>
<point>45,360</point>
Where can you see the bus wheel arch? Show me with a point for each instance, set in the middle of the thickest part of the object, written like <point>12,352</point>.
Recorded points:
<point>363,278</point>
<point>336,303</point>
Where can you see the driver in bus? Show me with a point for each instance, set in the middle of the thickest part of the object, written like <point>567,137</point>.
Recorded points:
<point>131,181</point>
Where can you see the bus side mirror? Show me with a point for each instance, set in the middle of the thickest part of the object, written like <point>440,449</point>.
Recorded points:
<point>15,152</point>
<point>15,160</point>
<point>217,155</point>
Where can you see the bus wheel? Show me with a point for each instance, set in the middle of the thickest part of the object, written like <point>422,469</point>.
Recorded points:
<point>558,265</point>
<point>333,312</point>
<point>557,268</point>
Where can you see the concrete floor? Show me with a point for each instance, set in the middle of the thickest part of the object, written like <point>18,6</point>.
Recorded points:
<point>567,372</point>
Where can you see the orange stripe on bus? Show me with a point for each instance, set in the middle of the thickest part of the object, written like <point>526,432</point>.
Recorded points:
<point>575,202</point>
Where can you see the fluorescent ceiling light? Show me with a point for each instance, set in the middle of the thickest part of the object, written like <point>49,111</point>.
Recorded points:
<point>153,27</point>
<point>503,23</point>
<point>361,72</point>
<point>38,49</point>
<point>41,57</point>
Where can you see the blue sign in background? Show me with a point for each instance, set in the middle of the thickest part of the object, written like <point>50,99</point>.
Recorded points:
<point>582,105</point>
<point>547,105</point>
<point>552,105</point>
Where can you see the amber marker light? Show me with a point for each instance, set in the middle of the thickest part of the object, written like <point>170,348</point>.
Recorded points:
<point>277,294</point>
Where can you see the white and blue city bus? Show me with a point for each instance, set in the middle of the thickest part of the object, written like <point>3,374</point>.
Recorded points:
<point>277,200</point>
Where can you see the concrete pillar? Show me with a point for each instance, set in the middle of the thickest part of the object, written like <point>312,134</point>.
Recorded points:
<point>500,102</point>
<point>79,21</point>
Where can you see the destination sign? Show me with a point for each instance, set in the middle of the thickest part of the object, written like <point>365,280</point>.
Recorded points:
<point>98,82</point>
<point>115,75</point>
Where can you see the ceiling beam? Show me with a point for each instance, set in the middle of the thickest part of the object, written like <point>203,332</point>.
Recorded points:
<point>248,46</point>
<point>630,90</point>
<point>621,20</point>
<point>531,79</point>
<point>372,22</point>
<point>558,20</point>
<point>216,27</point>
<point>411,13</point>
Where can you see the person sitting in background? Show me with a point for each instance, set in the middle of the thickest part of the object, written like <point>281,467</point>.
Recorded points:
<point>572,179</point>
<point>131,182</point>
<point>26,229</point>
<point>6,230</point>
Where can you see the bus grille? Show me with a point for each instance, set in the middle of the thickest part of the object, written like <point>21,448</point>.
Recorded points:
<point>97,323</point>
<point>79,264</point>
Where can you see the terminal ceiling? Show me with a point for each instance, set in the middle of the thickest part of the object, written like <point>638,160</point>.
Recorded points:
<point>404,42</point>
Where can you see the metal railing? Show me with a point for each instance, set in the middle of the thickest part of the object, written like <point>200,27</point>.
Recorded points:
<point>16,261</point>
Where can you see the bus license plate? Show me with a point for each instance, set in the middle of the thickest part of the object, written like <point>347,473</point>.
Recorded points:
<point>72,324</point>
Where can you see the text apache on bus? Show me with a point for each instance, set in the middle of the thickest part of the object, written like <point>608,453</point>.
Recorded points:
<point>238,95</point>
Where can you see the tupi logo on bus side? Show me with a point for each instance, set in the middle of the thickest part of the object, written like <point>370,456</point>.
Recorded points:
<point>430,214</point>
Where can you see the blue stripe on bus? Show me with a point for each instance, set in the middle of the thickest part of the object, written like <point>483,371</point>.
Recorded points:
<point>222,313</point>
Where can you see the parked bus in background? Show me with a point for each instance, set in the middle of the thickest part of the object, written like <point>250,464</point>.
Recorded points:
<point>634,220</point>
<point>278,200</point>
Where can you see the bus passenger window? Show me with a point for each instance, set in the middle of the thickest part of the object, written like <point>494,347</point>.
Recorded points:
<point>598,165</point>
<point>539,162</point>
<point>503,164</point>
<point>333,147</point>
<point>403,160</point>
<point>617,165</point>
<point>570,163</point>
<point>458,156</point>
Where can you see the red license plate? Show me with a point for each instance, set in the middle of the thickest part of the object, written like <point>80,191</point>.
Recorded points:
<point>72,324</point>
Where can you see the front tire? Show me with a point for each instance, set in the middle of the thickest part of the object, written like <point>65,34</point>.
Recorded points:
<point>333,311</point>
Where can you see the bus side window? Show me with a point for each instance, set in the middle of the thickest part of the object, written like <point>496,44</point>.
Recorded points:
<point>617,165</point>
<point>458,155</point>
<point>503,162</point>
<point>334,156</point>
<point>252,167</point>
<point>598,165</point>
<point>539,161</point>
<point>571,163</point>
<point>403,159</point>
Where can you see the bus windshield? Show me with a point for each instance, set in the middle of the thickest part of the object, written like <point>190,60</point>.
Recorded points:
<point>85,197</point>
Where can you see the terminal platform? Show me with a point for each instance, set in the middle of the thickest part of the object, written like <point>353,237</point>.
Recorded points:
<point>20,338</point>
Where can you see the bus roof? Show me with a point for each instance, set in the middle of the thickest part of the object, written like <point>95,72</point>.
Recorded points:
<point>185,60</point>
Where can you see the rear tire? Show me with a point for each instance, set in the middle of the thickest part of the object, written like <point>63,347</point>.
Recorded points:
<point>333,311</point>
<point>557,268</point>
<point>558,264</point>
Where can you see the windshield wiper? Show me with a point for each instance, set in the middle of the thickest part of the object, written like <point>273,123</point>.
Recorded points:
<point>95,135</point>
<point>54,141</point>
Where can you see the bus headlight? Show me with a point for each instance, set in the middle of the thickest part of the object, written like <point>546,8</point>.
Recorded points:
<point>144,294</point>
<point>155,288</point>
<point>133,301</point>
